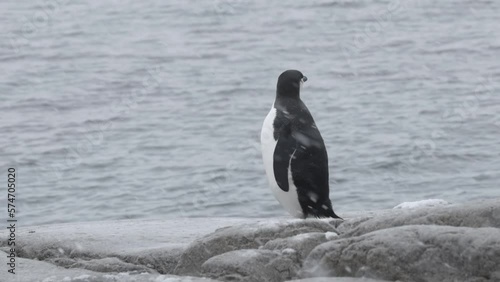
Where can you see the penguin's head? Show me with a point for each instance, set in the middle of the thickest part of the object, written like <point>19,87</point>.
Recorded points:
<point>289,83</point>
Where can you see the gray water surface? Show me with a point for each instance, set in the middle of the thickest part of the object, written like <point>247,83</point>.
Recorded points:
<point>153,109</point>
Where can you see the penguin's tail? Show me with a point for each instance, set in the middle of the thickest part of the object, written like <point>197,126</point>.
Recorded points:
<point>326,211</point>
<point>332,214</point>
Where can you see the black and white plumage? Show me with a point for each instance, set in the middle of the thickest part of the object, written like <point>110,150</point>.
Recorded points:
<point>294,153</point>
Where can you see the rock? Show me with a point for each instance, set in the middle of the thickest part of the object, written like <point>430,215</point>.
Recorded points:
<point>249,236</point>
<point>414,243</point>
<point>411,253</point>
<point>352,222</point>
<point>302,243</point>
<point>163,260</point>
<point>251,265</point>
<point>28,270</point>
<point>336,279</point>
<point>150,245</point>
<point>111,264</point>
<point>478,214</point>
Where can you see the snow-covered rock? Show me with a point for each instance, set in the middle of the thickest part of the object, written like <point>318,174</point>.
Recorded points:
<point>423,241</point>
<point>302,244</point>
<point>251,265</point>
<point>123,249</point>
<point>412,253</point>
<point>29,270</point>
<point>478,214</point>
<point>249,236</point>
<point>336,279</point>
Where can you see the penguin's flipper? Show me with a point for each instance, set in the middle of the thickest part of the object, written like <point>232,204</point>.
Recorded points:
<point>285,147</point>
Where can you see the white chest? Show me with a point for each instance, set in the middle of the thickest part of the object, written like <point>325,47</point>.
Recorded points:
<point>289,200</point>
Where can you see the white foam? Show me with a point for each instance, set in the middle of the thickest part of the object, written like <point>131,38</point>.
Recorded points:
<point>422,204</point>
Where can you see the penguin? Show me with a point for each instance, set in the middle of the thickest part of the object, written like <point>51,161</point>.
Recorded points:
<point>294,153</point>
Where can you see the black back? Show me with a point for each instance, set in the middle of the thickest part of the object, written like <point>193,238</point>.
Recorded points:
<point>300,146</point>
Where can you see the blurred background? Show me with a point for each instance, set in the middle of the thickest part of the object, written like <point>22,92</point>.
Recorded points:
<point>153,109</point>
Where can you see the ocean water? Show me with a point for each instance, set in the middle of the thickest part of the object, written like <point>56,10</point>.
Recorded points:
<point>153,109</point>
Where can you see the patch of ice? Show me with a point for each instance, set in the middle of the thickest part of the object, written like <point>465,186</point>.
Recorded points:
<point>422,204</point>
<point>288,251</point>
<point>331,235</point>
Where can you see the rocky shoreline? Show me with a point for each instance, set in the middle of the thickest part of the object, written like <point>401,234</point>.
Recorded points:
<point>418,242</point>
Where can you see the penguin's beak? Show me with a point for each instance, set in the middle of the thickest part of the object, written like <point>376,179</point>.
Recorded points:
<point>304,79</point>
